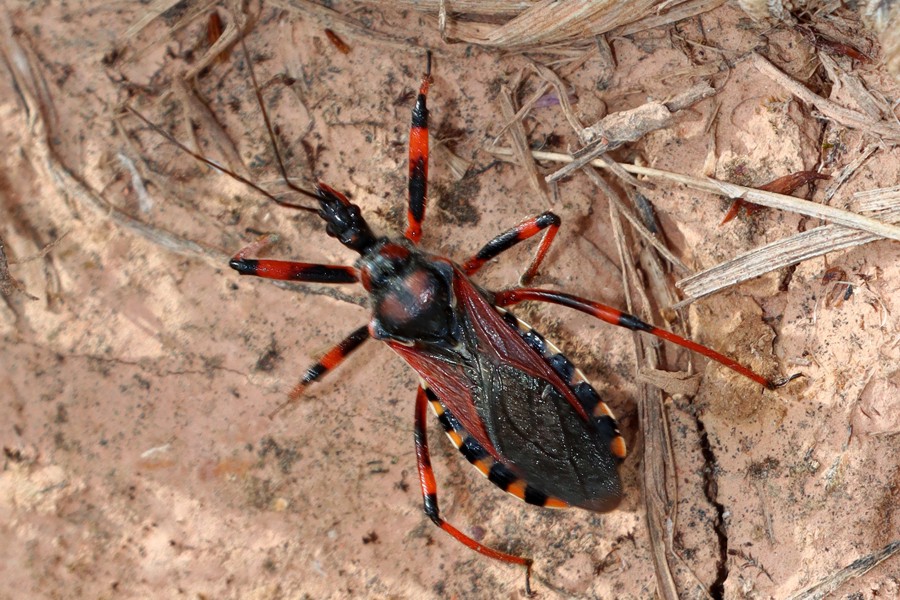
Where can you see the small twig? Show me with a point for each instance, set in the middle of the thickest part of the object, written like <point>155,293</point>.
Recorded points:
<point>156,8</point>
<point>334,20</point>
<point>843,174</point>
<point>660,489</point>
<point>627,178</point>
<point>636,223</point>
<point>551,77</point>
<point>875,108</point>
<point>43,251</point>
<point>628,126</point>
<point>236,26</point>
<point>542,89</point>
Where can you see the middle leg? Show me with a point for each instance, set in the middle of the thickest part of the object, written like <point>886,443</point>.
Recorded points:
<point>330,361</point>
<point>528,228</point>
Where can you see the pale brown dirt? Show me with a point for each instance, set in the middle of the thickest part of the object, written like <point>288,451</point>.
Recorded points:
<point>139,461</point>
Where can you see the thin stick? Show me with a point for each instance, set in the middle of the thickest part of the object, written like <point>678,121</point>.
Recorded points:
<point>660,490</point>
<point>731,190</point>
<point>636,223</point>
<point>857,568</point>
<point>544,88</point>
<point>618,128</point>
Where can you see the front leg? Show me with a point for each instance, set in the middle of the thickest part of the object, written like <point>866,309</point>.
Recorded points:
<point>288,270</point>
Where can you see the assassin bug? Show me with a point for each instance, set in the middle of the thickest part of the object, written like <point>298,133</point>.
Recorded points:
<point>509,400</point>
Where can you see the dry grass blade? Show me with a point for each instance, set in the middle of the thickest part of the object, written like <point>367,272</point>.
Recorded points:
<point>553,79</point>
<point>157,8</point>
<point>722,188</point>
<point>234,29</point>
<point>857,568</point>
<point>457,165</point>
<point>635,222</point>
<point>776,255</point>
<point>682,11</point>
<point>731,190</point>
<point>884,202</point>
<point>841,176</point>
<point>657,503</point>
<point>660,489</point>
<point>848,229</point>
<point>551,21</point>
<point>531,24</point>
<point>803,207</point>
<point>542,89</point>
<point>880,199</point>
<point>487,8</point>
<point>874,107</point>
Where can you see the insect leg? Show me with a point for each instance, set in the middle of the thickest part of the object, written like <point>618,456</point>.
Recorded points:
<point>332,358</point>
<point>617,317</point>
<point>418,160</point>
<point>330,361</point>
<point>429,495</point>
<point>288,270</point>
<point>521,232</point>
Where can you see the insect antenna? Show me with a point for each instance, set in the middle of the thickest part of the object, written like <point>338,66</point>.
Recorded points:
<point>165,134</point>
<point>270,129</point>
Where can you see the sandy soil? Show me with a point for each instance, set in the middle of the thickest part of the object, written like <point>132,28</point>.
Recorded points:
<point>139,460</point>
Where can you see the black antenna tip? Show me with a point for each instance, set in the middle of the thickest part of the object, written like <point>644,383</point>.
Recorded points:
<point>428,63</point>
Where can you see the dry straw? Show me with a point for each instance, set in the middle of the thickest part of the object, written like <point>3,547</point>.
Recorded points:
<point>524,24</point>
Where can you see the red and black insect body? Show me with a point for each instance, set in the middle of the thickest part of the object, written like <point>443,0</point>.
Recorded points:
<point>509,400</point>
